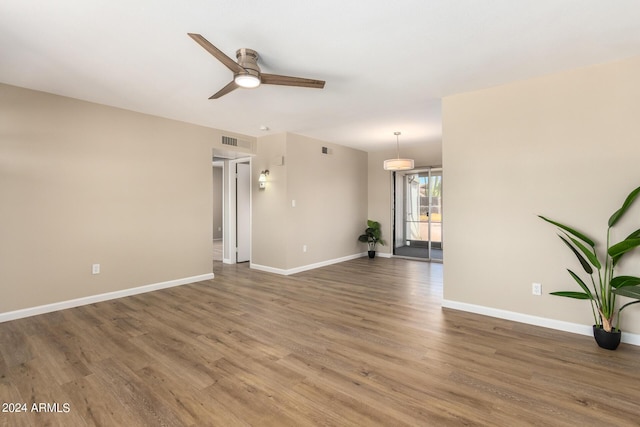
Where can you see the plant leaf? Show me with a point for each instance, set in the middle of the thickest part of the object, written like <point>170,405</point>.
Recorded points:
<point>570,230</point>
<point>619,249</point>
<point>581,283</point>
<point>568,294</point>
<point>629,291</point>
<point>624,281</point>
<point>634,235</point>
<point>625,206</point>
<point>590,254</point>
<point>585,264</point>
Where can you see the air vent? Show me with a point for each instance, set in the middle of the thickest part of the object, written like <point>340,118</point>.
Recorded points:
<point>227,140</point>
<point>235,142</point>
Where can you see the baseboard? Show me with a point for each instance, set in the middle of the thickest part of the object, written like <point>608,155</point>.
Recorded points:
<point>63,305</point>
<point>576,328</point>
<point>384,255</point>
<point>300,269</point>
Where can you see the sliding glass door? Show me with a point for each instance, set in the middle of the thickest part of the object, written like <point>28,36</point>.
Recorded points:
<point>418,214</point>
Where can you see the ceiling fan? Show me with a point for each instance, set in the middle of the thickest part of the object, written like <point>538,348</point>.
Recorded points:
<point>246,72</point>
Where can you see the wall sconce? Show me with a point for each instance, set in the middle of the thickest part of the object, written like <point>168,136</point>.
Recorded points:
<point>262,180</point>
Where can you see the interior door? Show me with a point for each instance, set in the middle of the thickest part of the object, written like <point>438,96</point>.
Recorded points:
<point>243,212</point>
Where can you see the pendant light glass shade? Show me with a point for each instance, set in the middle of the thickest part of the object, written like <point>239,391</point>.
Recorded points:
<point>398,164</point>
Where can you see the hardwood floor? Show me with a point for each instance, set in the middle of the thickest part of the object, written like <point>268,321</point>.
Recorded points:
<point>362,343</point>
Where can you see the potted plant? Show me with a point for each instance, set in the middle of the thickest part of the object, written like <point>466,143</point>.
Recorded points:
<point>603,286</point>
<point>372,236</point>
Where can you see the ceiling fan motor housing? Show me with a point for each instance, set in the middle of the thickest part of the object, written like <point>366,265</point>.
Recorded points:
<point>248,59</point>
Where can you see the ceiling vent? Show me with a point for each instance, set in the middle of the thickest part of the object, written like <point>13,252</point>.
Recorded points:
<point>227,140</point>
<point>235,142</point>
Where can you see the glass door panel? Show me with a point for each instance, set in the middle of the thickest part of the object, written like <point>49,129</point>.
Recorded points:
<point>418,213</point>
<point>413,198</point>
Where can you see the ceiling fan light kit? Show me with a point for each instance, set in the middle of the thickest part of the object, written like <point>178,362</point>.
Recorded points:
<point>246,72</point>
<point>398,164</point>
<point>247,81</point>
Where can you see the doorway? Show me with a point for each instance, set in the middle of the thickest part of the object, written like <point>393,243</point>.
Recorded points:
<point>417,215</point>
<point>235,241</point>
<point>218,208</point>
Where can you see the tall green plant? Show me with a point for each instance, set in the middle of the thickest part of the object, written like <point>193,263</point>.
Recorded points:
<point>601,291</point>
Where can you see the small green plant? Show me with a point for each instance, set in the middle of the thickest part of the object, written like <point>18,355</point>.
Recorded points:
<point>372,235</point>
<point>604,286</point>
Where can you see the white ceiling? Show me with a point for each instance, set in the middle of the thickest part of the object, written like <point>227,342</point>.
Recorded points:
<point>386,66</point>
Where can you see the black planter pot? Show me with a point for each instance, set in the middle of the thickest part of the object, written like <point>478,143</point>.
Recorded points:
<point>372,254</point>
<point>608,340</point>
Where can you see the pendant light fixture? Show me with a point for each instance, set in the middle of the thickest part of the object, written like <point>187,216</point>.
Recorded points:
<point>398,164</point>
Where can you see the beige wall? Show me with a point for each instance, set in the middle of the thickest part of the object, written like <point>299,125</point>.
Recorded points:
<point>82,183</point>
<point>566,146</point>
<point>330,191</point>
<point>380,189</point>
<point>269,206</point>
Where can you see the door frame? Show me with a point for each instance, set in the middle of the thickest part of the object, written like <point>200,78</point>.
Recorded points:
<point>229,214</point>
<point>398,180</point>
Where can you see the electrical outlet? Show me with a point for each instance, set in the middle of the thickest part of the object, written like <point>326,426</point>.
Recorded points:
<point>536,288</point>
<point>304,248</point>
<point>95,269</point>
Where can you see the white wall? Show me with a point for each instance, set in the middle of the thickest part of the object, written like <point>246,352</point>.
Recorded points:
<point>566,146</point>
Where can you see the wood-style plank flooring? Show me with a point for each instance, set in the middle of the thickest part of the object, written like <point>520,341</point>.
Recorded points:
<point>362,343</point>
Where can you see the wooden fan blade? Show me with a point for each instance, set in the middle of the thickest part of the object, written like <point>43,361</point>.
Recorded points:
<point>274,79</point>
<point>225,90</point>
<point>217,53</point>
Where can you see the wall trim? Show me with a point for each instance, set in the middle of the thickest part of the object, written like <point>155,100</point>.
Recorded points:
<point>300,269</point>
<point>63,305</point>
<point>576,328</point>
<point>382,254</point>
